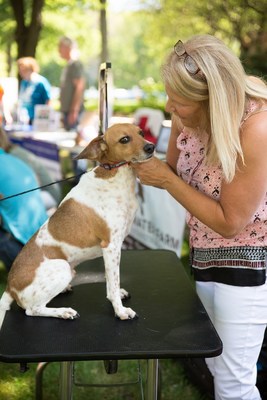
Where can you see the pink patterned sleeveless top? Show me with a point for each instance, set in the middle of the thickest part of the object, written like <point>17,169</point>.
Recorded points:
<point>239,261</point>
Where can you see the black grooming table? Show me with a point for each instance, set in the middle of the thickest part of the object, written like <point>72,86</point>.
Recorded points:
<point>172,321</point>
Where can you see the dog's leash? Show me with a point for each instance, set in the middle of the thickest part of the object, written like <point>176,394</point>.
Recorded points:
<point>42,187</point>
<point>106,166</point>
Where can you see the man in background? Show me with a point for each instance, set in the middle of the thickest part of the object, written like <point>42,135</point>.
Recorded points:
<point>72,84</point>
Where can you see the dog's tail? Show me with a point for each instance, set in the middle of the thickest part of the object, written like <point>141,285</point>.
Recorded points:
<point>5,304</point>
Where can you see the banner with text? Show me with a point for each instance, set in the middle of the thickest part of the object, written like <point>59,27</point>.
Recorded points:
<point>160,220</point>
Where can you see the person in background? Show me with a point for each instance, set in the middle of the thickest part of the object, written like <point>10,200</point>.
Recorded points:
<point>20,216</point>
<point>34,88</point>
<point>217,169</point>
<point>51,195</point>
<point>72,84</point>
<point>1,105</point>
<point>5,114</point>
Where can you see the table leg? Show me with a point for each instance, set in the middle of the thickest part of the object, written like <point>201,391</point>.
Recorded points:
<point>152,379</point>
<point>66,380</point>
<point>39,380</point>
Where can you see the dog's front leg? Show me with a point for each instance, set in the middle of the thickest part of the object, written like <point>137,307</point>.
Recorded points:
<point>114,293</point>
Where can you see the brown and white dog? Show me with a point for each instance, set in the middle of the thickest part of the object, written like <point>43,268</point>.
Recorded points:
<point>91,221</point>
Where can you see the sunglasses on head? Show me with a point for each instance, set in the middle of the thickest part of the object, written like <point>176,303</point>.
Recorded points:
<point>189,63</point>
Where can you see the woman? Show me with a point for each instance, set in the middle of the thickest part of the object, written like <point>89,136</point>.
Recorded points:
<point>34,88</point>
<point>217,169</point>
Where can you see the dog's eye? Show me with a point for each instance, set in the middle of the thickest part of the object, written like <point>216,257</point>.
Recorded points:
<point>125,139</point>
<point>141,133</point>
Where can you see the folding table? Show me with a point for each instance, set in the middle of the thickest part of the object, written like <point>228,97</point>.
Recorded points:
<point>172,321</point>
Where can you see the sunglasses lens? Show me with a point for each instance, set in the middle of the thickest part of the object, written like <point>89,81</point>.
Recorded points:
<point>179,48</point>
<point>191,65</point>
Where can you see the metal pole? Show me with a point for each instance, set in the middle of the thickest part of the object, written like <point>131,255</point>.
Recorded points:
<point>66,380</point>
<point>39,380</point>
<point>152,379</point>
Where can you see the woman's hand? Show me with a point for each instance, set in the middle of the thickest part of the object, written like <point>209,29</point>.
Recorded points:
<point>154,172</point>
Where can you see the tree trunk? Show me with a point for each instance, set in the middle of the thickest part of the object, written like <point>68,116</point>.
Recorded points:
<point>8,58</point>
<point>27,36</point>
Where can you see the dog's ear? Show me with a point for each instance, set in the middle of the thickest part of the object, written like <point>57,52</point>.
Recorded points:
<point>95,150</point>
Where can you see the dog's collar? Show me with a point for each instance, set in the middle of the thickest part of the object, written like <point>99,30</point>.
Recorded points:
<point>115,165</point>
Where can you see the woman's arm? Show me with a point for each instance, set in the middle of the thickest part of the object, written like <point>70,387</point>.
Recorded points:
<point>172,151</point>
<point>239,199</point>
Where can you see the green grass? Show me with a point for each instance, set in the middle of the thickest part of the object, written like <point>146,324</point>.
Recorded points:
<point>15,385</point>
<point>3,276</point>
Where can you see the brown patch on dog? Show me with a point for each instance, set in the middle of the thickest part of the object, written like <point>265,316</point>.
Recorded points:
<point>23,269</point>
<point>53,253</point>
<point>28,260</point>
<point>82,227</point>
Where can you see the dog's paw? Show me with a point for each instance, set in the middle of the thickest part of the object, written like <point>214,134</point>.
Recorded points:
<point>124,294</point>
<point>126,313</point>
<point>69,313</point>
<point>42,311</point>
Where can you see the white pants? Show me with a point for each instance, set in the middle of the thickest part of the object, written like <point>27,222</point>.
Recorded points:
<point>239,315</point>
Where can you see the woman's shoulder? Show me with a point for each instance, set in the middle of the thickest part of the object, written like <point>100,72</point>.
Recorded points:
<point>255,116</point>
<point>254,133</point>
<point>255,120</point>
<point>254,106</point>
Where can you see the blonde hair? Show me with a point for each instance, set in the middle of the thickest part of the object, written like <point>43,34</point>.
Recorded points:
<point>29,63</point>
<point>223,88</point>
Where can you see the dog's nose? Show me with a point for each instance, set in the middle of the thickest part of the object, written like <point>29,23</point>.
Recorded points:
<point>149,148</point>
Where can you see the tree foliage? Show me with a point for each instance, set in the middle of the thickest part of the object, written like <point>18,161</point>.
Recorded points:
<point>27,23</point>
<point>241,23</point>
<point>244,21</point>
<point>136,42</point>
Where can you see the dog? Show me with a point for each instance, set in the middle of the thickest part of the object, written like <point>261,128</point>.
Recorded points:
<point>91,221</point>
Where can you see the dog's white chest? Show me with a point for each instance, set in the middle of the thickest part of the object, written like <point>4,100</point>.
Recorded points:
<point>113,199</point>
